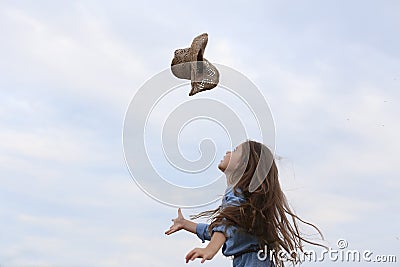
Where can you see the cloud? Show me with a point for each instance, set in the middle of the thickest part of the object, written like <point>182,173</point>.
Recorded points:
<point>87,61</point>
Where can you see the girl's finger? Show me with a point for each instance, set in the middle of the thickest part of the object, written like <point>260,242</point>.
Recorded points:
<point>170,231</point>
<point>180,212</point>
<point>189,255</point>
<point>203,260</point>
<point>195,255</point>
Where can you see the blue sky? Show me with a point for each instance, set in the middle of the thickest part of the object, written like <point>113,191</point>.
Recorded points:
<point>331,74</point>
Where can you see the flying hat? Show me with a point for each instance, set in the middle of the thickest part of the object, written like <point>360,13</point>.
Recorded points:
<point>189,63</point>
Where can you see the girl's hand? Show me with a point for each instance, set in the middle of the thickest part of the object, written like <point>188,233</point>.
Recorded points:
<point>204,253</point>
<point>179,223</point>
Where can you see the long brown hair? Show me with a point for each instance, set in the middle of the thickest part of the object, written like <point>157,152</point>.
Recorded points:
<point>264,213</point>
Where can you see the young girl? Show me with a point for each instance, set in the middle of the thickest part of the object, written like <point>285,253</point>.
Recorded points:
<point>251,223</point>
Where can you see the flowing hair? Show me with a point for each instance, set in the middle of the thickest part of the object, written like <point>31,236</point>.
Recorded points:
<point>265,211</point>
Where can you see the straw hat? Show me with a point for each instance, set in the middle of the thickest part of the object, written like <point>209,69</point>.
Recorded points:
<point>189,63</point>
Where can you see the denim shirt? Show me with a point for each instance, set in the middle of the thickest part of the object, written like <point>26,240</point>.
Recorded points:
<point>236,241</point>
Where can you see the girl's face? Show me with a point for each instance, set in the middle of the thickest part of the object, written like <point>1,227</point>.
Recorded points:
<point>230,160</point>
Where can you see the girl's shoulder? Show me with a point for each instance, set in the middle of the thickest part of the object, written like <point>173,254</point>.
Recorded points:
<point>233,197</point>
<point>232,190</point>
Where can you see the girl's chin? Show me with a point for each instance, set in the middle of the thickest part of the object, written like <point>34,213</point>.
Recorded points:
<point>221,168</point>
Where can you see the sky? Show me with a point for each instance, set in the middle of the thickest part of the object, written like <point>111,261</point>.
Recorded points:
<point>329,71</point>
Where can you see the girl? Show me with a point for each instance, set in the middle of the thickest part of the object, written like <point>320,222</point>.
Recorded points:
<point>251,223</point>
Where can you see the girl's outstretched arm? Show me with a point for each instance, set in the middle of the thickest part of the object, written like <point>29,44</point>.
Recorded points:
<point>207,253</point>
<point>181,223</point>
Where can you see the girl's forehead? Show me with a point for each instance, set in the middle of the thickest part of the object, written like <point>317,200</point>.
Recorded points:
<point>240,148</point>
<point>244,147</point>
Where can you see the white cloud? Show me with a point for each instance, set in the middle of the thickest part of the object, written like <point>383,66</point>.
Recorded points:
<point>88,59</point>
<point>55,145</point>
